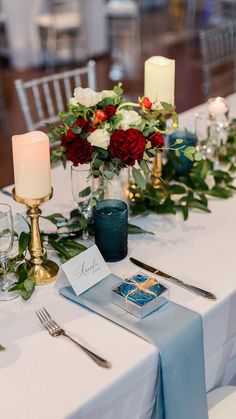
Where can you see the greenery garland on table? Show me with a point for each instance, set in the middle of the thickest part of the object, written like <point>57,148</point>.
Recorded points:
<point>181,193</point>
<point>63,242</point>
<point>173,194</point>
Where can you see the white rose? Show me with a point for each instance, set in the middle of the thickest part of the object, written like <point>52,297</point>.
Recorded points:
<point>87,97</point>
<point>108,93</point>
<point>99,138</point>
<point>129,118</point>
<point>210,181</point>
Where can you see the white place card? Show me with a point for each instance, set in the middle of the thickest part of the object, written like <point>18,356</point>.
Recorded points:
<point>85,270</point>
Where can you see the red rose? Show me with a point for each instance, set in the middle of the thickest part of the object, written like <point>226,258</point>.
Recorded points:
<point>70,135</point>
<point>157,140</point>
<point>99,116</point>
<point>82,123</point>
<point>79,152</point>
<point>145,102</point>
<point>127,145</point>
<point>110,110</point>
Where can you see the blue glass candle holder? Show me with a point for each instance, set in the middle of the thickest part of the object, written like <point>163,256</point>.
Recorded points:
<point>111,229</point>
<point>182,164</point>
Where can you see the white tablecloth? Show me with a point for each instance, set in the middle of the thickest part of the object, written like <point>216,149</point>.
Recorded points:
<point>45,378</point>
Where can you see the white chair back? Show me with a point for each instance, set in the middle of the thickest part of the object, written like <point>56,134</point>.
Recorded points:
<point>218,50</point>
<point>42,99</point>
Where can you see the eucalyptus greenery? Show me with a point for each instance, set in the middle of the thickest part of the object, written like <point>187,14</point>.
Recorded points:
<point>181,193</point>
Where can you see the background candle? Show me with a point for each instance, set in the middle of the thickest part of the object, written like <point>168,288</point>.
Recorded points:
<point>159,79</point>
<point>31,160</point>
<point>217,105</point>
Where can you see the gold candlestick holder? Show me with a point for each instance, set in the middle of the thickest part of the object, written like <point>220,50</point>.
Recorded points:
<point>44,270</point>
<point>156,170</point>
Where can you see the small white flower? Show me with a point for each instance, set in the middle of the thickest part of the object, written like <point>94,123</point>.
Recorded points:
<point>87,97</point>
<point>108,93</point>
<point>210,181</point>
<point>99,138</point>
<point>72,101</point>
<point>129,118</point>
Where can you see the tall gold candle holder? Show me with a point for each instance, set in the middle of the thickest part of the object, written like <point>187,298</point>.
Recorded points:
<point>156,170</point>
<point>44,270</point>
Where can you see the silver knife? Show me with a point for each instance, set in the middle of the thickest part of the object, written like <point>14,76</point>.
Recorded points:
<point>192,288</point>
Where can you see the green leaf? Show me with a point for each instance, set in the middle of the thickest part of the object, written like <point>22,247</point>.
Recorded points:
<point>2,348</point>
<point>108,174</point>
<point>74,213</point>
<point>176,189</point>
<point>22,272</point>
<point>97,163</point>
<point>29,284</point>
<point>167,107</point>
<point>71,244</point>
<point>198,205</point>
<point>23,243</point>
<point>144,166</point>
<point>133,229</point>
<point>68,118</point>
<point>85,192</point>
<point>76,130</point>
<point>56,218</point>
<point>197,156</point>
<point>185,211</point>
<point>118,90</point>
<point>138,178</point>
<point>26,294</point>
<point>220,192</point>
<point>60,249</point>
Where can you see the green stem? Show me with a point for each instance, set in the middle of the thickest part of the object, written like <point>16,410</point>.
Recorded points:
<point>123,105</point>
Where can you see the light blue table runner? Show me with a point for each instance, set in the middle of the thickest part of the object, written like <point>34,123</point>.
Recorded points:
<point>177,333</point>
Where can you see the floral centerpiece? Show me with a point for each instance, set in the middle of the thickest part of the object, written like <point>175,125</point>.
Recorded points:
<point>110,133</point>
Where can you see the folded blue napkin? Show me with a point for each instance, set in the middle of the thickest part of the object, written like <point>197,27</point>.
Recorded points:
<point>177,333</point>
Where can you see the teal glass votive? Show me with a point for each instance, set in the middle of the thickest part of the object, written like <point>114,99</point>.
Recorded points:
<point>111,229</point>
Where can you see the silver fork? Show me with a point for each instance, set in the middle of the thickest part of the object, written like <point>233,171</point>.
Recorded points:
<point>55,330</point>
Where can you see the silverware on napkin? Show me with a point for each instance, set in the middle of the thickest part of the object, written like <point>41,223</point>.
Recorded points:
<point>55,330</point>
<point>192,288</point>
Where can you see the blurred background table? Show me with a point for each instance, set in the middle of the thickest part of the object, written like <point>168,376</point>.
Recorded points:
<point>23,33</point>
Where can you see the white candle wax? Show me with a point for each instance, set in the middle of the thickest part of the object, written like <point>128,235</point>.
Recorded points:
<point>159,79</point>
<point>31,161</point>
<point>217,106</point>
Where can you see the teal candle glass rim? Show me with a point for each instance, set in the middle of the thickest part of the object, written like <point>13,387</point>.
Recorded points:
<point>111,203</point>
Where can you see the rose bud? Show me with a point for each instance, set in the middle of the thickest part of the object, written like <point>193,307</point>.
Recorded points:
<point>110,110</point>
<point>157,140</point>
<point>99,116</point>
<point>145,102</point>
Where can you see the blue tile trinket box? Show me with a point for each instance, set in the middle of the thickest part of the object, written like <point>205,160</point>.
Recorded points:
<point>140,294</point>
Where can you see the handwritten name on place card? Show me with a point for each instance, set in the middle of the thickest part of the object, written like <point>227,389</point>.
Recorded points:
<point>85,270</point>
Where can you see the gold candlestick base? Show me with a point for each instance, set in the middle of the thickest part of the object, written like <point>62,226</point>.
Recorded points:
<point>44,270</point>
<point>156,170</point>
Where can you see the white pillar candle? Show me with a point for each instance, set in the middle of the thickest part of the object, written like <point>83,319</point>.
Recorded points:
<point>159,79</point>
<point>31,161</point>
<point>217,106</point>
